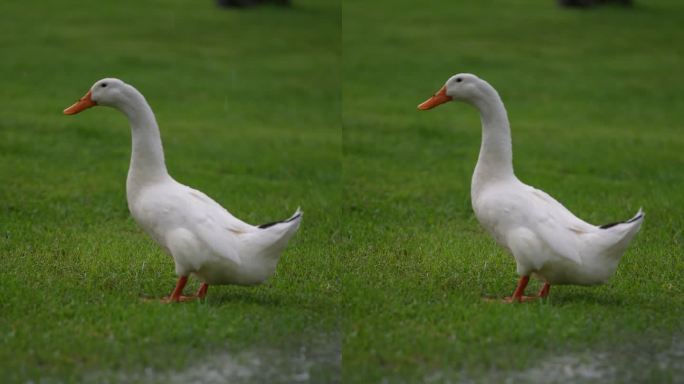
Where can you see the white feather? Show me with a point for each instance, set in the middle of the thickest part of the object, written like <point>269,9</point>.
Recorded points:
<point>202,237</point>
<point>543,236</point>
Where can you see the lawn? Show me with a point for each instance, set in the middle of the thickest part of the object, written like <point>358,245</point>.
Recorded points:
<point>596,109</point>
<point>268,109</point>
<point>249,107</point>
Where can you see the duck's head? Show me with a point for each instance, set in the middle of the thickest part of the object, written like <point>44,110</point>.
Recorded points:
<point>461,87</point>
<point>108,92</point>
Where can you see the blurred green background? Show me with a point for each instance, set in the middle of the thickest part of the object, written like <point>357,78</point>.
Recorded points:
<point>248,103</point>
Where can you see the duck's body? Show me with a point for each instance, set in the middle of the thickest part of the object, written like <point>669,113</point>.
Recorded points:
<point>203,238</point>
<point>545,238</point>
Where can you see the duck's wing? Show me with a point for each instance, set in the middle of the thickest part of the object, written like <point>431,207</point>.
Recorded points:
<point>530,223</point>
<point>227,235</point>
<point>206,211</point>
<point>557,227</point>
<point>211,225</point>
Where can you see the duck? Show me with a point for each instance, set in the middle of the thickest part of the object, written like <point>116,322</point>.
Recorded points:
<point>202,237</point>
<point>547,241</point>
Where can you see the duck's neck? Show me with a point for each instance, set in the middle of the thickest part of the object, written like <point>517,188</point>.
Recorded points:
<point>147,155</point>
<point>495,162</point>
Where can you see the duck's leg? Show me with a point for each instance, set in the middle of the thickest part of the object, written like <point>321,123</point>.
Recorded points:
<point>544,291</point>
<point>202,291</point>
<point>177,294</point>
<point>519,293</point>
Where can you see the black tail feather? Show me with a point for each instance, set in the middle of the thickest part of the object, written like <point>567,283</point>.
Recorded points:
<point>606,226</point>
<point>633,219</point>
<point>264,226</point>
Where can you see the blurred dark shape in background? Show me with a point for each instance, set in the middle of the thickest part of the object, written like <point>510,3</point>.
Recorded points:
<point>590,3</point>
<point>250,3</point>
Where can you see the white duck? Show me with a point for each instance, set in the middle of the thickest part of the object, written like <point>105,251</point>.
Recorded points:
<point>202,237</point>
<point>545,238</point>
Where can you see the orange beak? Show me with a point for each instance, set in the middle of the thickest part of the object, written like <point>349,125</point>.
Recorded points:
<point>85,103</point>
<point>438,98</point>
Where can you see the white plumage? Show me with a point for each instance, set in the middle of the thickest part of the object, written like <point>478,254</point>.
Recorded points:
<point>544,237</point>
<point>203,238</point>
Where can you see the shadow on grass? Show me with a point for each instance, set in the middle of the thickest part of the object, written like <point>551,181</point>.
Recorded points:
<point>604,299</point>
<point>244,297</point>
<point>221,299</point>
<point>573,298</point>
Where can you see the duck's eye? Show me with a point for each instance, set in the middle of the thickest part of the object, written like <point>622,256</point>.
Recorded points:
<point>458,79</point>
<point>103,85</point>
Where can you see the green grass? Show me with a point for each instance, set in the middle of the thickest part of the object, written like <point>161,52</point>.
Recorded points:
<point>249,108</point>
<point>269,109</point>
<point>594,99</point>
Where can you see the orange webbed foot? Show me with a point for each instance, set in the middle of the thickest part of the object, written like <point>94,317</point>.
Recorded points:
<point>177,294</point>
<point>180,299</point>
<point>521,299</point>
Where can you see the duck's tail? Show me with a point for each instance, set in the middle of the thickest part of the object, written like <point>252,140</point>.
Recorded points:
<point>622,233</point>
<point>638,217</point>
<point>275,236</point>
<point>297,216</point>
